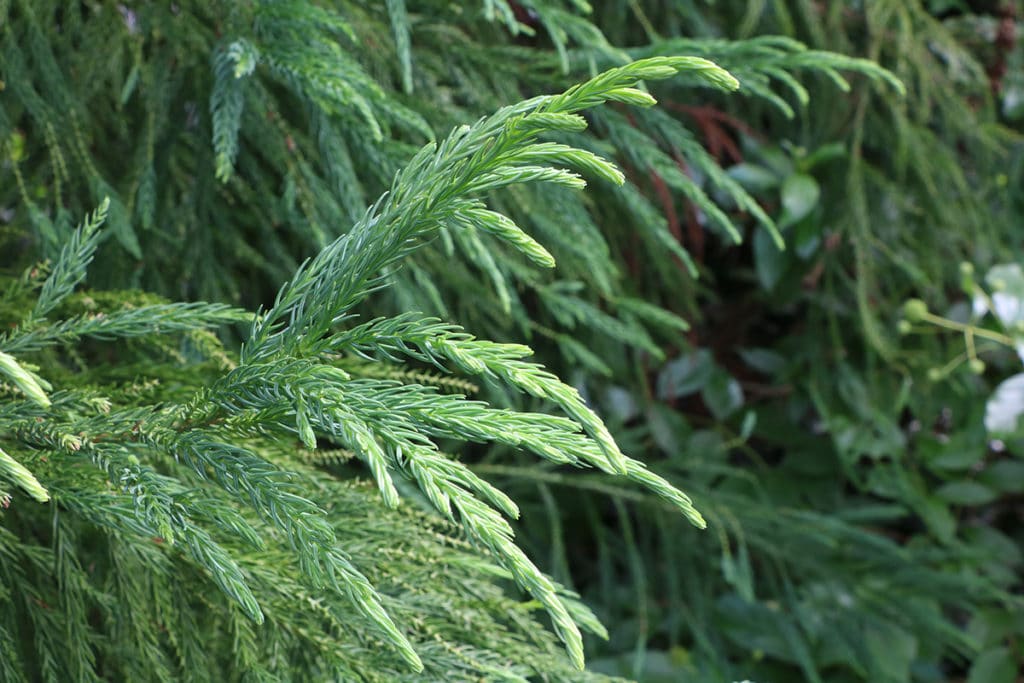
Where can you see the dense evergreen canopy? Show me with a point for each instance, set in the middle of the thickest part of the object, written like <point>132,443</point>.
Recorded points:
<point>336,347</point>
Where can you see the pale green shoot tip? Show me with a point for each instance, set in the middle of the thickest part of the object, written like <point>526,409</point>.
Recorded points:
<point>26,381</point>
<point>20,475</point>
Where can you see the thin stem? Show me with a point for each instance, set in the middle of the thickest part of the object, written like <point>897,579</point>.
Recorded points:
<point>961,327</point>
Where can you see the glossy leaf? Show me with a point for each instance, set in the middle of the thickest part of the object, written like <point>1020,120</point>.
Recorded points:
<point>800,194</point>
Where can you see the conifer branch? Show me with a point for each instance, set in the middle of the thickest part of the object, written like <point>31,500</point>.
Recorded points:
<point>69,270</point>
<point>388,424</point>
<point>437,186</point>
<point>195,524</point>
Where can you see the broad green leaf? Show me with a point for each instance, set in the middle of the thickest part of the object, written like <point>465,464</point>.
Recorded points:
<point>668,428</point>
<point>960,450</point>
<point>749,423</point>
<point>705,444</point>
<point>989,627</point>
<point>993,666</point>
<point>937,517</point>
<point>825,153</point>
<point>1006,476</point>
<point>763,360</point>
<point>769,261</point>
<point>655,666</point>
<point>807,238</point>
<point>800,194</point>
<point>621,403</point>
<point>775,159</point>
<point>754,178</point>
<point>1002,548</point>
<point>722,394</point>
<point>956,459</point>
<point>685,375</point>
<point>892,651</point>
<point>965,493</point>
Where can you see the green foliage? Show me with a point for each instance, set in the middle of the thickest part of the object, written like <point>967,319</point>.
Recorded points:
<point>169,470</point>
<point>731,296</point>
<point>832,411</point>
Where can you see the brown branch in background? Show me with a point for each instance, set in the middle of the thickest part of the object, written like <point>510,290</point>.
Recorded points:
<point>667,205</point>
<point>694,231</point>
<point>664,195</point>
<point>1006,38</point>
<point>713,123</point>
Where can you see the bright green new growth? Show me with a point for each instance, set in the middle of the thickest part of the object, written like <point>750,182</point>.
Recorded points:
<point>15,472</point>
<point>27,381</point>
<point>438,188</point>
<point>67,273</point>
<point>291,380</point>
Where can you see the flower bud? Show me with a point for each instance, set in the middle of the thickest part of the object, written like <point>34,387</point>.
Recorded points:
<point>915,310</point>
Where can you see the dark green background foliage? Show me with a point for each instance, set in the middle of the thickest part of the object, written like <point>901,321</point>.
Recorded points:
<point>212,510</point>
